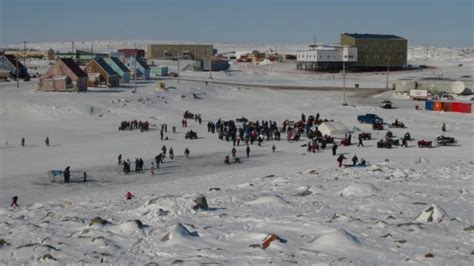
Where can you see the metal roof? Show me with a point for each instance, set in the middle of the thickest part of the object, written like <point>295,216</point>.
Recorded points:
<point>142,62</point>
<point>105,66</point>
<point>118,63</point>
<point>14,61</point>
<point>74,67</point>
<point>373,36</point>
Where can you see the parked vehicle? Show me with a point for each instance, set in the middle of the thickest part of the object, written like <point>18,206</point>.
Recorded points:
<point>188,115</point>
<point>369,118</point>
<point>395,142</point>
<point>345,142</point>
<point>384,143</point>
<point>447,97</point>
<point>407,136</point>
<point>398,124</point>
<point>377,126</point>
<point>191,135</point>
<point>445,141</point>
<point>419,95</point>
<point>386,105</point>
<point>365,135</point>
<point>425,144</point>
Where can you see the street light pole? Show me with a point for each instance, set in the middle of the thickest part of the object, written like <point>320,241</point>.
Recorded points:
<point>210,67</point>
<point>388,70</point>
<point>179,74</point>
<point>17,72</point>
<point>135,69</point>
<point>344,103</point>
<point>24,53</point>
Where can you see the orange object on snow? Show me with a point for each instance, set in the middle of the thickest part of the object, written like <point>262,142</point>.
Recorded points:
<point>269,239</point>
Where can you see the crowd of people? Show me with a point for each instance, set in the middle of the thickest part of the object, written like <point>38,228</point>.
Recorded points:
<point>242,131</point>
<point>134,124</point>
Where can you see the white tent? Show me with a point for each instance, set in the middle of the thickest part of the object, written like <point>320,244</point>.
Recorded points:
<point>335,128</point>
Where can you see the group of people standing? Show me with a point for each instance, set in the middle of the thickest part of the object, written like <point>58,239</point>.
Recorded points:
<point>23,141</point>
<point>134,124</point>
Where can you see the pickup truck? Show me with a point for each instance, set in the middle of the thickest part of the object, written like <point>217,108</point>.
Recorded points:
<point>369,118</point>
<point>386,105</point>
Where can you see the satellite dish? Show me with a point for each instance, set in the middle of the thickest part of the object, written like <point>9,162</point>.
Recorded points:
<point>458,87</point>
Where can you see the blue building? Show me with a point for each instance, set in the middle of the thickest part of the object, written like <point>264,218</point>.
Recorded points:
<point>10,63</point>
<point>139,63</point>
<point>119,68</point>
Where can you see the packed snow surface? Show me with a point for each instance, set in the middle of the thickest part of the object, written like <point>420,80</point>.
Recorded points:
<point>408,206</point>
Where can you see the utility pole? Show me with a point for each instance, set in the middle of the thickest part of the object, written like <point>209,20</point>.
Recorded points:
<point>135,69</point>
<point>24,53</point>
<point>17,72</point>
<point>179,75</point>
<point>426,51</point>
<point>388,71</point>
<point>210,67</point>
<point>344,103</point>
<point>72,47</point>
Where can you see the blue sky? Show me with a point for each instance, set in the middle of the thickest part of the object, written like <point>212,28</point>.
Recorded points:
<point>438,23</point>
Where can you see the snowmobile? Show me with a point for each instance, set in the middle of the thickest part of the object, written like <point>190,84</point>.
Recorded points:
<point>191,135</point>
<point>365,135</point>
<point>445,141</point>
<point>377,126</point>
<point>398,124</point>
<point>383,143</point>
<point>188,115</point>
<point>425,144</point>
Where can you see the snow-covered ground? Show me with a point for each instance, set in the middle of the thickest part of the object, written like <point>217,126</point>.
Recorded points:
<point>409,204</point>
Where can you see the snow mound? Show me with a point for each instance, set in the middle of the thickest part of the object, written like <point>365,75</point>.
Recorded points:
<point>167,205</point>
<point>359,190</point>
<point>422,160</point>
<point>179,233</point>
<point>432,214</point>
<point>269,200</point>
<point>336,241</point>
<point>130,227</point>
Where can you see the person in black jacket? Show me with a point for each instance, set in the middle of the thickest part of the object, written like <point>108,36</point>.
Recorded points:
<point>334,149</point>
<point>67,175</point>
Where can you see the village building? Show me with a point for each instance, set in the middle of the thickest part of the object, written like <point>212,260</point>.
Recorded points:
<point>139,64</point>
<point>14,66</point>
<point>120,68</point>
<point>64,75</point>
<point>100,73</point>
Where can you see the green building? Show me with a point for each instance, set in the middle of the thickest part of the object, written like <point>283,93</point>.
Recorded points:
<point>81,55</point>
<point>182,51</point>
<point>377,51</point>
<point>158,71</point>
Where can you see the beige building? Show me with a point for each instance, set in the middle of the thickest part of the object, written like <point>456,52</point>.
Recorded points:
<point>377,50</point>
<point>184,51</point>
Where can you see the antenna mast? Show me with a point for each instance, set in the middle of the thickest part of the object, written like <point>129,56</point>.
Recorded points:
<point>344,103</point>
<point>388,71</point>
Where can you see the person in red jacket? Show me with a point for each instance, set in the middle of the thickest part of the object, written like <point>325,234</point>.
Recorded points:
<point>129,196</point>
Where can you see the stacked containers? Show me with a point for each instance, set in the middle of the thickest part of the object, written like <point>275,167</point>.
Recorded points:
<point>429,105</point>
<point>438,106</point>
<point>448,106</point>
<point>465,108</point>
<point>456,107</point>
